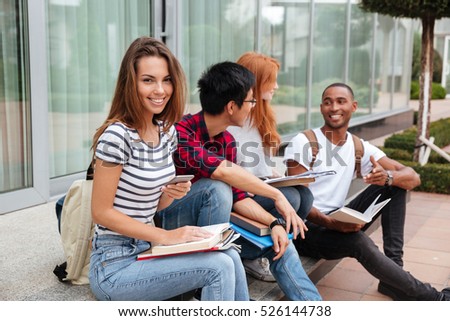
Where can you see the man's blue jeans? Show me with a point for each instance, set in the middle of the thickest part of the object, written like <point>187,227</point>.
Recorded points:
<point>288,270</point>
<point>208,202</point>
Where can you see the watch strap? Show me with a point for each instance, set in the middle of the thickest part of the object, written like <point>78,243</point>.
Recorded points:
<point>389,178</point>
<point>275,223</point>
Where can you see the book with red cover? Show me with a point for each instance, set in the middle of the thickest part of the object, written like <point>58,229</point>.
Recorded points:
<point>221,239</point>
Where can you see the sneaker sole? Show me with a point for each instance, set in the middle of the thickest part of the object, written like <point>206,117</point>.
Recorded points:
<point>259,276</point>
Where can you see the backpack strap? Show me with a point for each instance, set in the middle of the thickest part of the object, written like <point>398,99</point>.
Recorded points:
<point>359,152</point>
<point>311,136</point>
<point>90,170</point>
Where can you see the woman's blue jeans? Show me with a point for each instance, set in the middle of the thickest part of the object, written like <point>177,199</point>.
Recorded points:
<point>115,274</point>
<point>288,270</point>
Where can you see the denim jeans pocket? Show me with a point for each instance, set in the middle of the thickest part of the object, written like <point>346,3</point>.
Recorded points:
<point>116,258</point>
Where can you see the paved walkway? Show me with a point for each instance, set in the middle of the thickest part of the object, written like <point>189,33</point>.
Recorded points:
<point>427,253</point>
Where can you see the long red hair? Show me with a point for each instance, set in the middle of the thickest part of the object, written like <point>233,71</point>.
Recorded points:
<point>262,116</point>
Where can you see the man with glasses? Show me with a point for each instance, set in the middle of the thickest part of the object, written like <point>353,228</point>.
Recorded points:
<point>208,151</point>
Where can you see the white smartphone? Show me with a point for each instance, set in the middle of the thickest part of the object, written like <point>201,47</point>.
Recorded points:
<point>180,179</point>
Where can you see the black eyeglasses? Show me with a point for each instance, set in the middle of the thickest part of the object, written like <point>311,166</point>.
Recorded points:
<point>251,101</point>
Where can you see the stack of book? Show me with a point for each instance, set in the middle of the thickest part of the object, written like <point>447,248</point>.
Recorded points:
<point>253,231</point>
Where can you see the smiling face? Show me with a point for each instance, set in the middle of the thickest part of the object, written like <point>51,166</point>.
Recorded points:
<point>154,84</point>
<point>337,107</point>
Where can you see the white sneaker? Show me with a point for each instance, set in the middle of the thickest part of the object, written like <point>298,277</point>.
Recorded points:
<point>259,269</point>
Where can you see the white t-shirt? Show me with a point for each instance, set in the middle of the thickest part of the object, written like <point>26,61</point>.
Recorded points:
<point>330,191</point>
<point>145,170</point>
<point>250,150</point>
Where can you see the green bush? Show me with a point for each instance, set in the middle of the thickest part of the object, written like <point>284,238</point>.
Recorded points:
<point>435,178</point>
<point>405,140</point>
<point>402,155</point>
<point>437,91</point>
<point>414,91</point>
<point>398,154</point>
<point>439,129</point>
<point>435,175</point>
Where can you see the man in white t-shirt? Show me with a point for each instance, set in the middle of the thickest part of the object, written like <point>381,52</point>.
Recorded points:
<point>330,239</point>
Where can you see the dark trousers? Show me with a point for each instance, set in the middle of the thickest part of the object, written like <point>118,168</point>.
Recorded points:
<point>323,243</point>
<point>392,217</point>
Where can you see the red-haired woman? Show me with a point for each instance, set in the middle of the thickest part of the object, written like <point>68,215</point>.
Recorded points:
<point>258,140</point>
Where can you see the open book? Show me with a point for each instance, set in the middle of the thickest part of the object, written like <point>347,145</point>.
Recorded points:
<point>300,179</point>
<point>349,215</point>
<point>222,239</point>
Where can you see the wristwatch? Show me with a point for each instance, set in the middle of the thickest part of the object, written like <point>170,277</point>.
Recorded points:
<point>276,222</point>
<point>389,179</point>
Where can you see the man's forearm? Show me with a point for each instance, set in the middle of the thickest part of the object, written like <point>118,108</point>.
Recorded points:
<point>251,209</point>
<point>406,178</point>
<point>239,178</point>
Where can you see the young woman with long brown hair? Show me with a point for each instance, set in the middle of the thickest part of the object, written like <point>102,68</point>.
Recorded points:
<point>133,151</point>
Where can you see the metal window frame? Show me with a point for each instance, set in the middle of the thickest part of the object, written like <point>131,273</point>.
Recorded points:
<point>37,64</point>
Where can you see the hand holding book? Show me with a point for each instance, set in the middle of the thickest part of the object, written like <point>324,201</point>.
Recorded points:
<point>348,215</point>
<point>220,237</point>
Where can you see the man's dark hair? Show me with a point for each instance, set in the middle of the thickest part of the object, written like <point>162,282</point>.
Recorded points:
<point>340,84</point>
<point>224,82</point>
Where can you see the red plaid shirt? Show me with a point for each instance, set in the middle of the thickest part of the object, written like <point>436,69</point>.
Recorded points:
<point>200,155</point>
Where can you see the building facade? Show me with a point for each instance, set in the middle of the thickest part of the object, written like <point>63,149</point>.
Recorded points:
<point>59,60</point>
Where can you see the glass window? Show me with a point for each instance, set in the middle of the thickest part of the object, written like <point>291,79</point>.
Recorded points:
<point>15,128</point>
<point>401,71</point>
<point>446,68</point>
<point>384,50</point>
<point>214,31</point>
<point>329,49</point>
<point>86,42</point>
<point>285,36</point>
<point>360,58</point>
<point>393,72</point>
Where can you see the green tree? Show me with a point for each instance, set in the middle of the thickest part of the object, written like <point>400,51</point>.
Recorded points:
<point>428,11</point>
